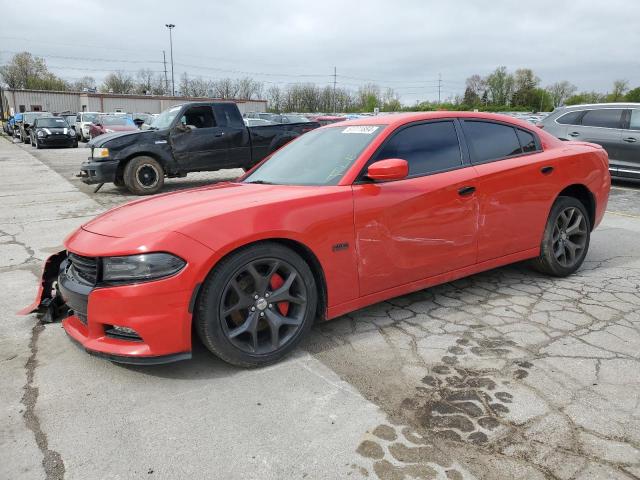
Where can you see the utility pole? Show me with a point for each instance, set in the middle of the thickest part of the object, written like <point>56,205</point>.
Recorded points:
<point>439,86</point>
<point>166,80</point>
<point>335,71</point>
<point>171,26</point>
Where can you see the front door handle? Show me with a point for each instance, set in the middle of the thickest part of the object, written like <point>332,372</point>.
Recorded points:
<point>629,140</point>
<point>466,191</point>
<point>219,134</point>
<point>546,170</point>
<point>574,134</point>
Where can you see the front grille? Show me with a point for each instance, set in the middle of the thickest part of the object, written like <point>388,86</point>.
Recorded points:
<point>85,267</point>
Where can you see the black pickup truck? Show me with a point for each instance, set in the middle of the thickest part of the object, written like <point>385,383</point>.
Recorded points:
<point>192,137</point>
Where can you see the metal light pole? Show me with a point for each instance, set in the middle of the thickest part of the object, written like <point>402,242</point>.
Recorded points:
<point>170,26</point>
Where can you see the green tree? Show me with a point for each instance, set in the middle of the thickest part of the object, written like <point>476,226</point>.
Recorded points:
<point>118,82</point>
<point>500,85</point>
<point>633,95</point>
<point>620,87</point>
<point>26,71</point>
<point>524,84</point>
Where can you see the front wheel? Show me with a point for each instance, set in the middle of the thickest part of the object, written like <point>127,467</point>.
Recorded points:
<point>256,305</point>
<point>566,238</point>
<point>143,175</point>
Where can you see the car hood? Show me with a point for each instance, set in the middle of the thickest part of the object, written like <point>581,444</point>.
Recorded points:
<point>177,211</point>
<point>104,138</point>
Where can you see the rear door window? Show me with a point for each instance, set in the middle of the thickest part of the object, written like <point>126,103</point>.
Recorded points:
<point>634,123</point>
<point>527,141</point>
<point>490,141</point>
<point>428,148</point>
<point>571,118</point>
<point>603,118</point>
<point>228,115</point>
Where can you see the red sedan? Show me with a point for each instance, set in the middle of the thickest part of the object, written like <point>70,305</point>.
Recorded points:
<point>344,216</point>
<point>111,124</point>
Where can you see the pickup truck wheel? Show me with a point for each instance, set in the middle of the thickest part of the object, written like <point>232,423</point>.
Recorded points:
<point>143,175</point>
<point>256,305</point>
<point>566,238</point>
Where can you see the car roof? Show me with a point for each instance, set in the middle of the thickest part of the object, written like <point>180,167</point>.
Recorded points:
<point>604,105</point>
<point>399,119</point>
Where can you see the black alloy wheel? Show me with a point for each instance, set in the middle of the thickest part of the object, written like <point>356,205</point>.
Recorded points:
<point>566,238</point>
<point>569,236</point>
<point>256,305</point>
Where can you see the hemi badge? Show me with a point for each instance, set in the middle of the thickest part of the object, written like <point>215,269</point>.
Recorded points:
<point>340,246</point>
<point>157,142</point>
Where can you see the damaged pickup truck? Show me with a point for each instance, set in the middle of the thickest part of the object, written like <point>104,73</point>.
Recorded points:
<point>191,137</point>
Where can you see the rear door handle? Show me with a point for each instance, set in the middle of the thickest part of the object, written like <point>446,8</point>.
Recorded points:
<point>629,140</point>
<point>466,191</point>
<point>546,170</point>
<point>574,134</point>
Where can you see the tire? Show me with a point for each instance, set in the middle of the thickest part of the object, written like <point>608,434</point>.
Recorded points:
<point>75,144</point>
<point>565,242</point>
<point>25,139</point>
<point>38,146</point>
<point>256,319</point>
<point>143,175</point>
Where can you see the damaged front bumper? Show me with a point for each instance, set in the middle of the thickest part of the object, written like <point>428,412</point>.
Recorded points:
<point>92,172</point>
<point>48,301</point>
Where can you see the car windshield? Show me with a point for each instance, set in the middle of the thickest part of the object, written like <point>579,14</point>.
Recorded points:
<point>115,120</point>
<point>89,117</point>
<point>165,119</point>
<point>320,157</point>
<point>51,122</point>
<point>30,117</point>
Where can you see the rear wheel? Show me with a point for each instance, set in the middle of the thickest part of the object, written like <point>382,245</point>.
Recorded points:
<point>566,238</point>
<point>143,175</point>
<point>256,305</point>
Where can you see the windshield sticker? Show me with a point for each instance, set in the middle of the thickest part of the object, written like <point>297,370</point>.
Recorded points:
<point>366,129</point>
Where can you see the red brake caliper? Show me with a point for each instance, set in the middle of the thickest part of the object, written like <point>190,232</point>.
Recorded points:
<point>276,282</point>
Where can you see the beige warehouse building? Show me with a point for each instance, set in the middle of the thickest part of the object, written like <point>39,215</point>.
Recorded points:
<point>39,100</point>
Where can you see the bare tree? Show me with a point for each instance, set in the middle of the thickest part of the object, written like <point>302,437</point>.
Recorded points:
<point>84,83</point>
<point>118,82</point>
<point>620,88</point>
<point>225,88</point>
<point>561,91</point>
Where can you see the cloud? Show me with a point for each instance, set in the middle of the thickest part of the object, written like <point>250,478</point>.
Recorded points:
<point>403,44</point>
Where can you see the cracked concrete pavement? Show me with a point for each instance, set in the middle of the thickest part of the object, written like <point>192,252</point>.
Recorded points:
<point>506,374</point>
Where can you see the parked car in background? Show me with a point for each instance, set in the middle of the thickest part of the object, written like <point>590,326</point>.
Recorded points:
<point>140,119</point>
<point>191,137</point>
<point>52,132</point>
<point>83,120</point>
<point>27,122</point>
<point>15,129</point>
<point>70,118</point>
<point>329,119</point>
<point>111,124</point>
<point>342,217</point>
<point>7,126</point>
<point>615,126</point>
<point>288,118</point>
<point>256,122</point>
<point>262,115</point>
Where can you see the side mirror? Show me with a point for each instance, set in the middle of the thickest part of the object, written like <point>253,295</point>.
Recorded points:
<point>388,170</point>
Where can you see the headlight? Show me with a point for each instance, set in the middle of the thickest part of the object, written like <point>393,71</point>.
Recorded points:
<point>100,152</point>
<point>40,133</point>
<point>146,266</point>
<point>108,130</point>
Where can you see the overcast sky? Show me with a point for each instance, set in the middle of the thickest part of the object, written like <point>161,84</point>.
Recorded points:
<point>402,44</point>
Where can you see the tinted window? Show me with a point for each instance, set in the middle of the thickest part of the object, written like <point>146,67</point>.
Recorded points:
<point>635,120</point>
<point>491,141</point>
<point>199,117</point>
<point>428,148</point>
<point>228,115</point>
<point>606,117</point>
<point>571,118</point>
<point>527,141</point>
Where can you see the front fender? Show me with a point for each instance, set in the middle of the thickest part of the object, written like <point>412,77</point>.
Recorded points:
<point>160,151</point>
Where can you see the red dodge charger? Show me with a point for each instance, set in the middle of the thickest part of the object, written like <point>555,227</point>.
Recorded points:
<point>345,216</point>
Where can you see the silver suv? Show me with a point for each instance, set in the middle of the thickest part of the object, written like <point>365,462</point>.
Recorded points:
<point>615,126</point>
